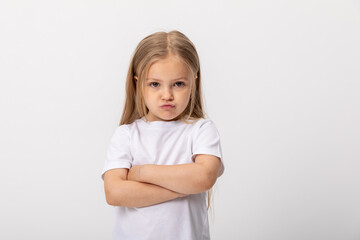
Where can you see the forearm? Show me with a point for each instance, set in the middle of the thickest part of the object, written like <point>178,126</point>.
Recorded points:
<point>136,194</point>
<point>189,178</point>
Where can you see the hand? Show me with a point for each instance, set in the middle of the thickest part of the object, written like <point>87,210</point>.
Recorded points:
<point>134,173</point>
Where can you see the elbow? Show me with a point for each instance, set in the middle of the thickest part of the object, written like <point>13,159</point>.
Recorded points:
<point>110,201</point>
<point>109,197</point>
<point>208,181</point>
<point>114,187</point>
<point>208,169</point>
<point>113,198</point>
<point>205,180</point>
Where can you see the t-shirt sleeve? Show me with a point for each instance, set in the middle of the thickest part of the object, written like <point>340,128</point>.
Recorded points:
<point>118,153</point>
<point>207,141</point>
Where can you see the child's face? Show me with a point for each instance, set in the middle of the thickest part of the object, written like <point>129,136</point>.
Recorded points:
<point>167,89</point>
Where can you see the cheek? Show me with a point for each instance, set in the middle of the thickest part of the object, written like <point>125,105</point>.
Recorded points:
<point>186,96</point>
<point>147,95</point>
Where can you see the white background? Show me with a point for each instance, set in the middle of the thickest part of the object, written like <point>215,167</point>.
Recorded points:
<point>281,82</point>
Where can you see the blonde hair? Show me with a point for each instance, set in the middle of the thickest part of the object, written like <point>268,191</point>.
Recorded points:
<point>157,46</point>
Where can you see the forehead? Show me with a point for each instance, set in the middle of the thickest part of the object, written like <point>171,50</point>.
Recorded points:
<point>168,68</point>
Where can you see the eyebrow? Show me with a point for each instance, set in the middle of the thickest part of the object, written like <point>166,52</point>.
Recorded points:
<point>184,78</point>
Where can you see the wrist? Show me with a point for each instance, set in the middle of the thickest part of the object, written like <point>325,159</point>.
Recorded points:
<point>140,173</point>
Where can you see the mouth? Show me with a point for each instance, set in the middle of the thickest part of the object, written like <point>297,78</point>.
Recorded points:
<point>167,106</point>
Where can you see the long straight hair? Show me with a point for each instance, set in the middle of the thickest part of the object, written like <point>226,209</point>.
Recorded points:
<point>154,47</point>
<point>157,46</point>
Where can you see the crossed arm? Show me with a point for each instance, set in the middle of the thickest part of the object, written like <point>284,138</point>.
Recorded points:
<point>149,184</point>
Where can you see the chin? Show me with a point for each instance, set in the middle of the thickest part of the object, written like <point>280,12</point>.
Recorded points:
<point>172,118</point>
<point>169,119</point>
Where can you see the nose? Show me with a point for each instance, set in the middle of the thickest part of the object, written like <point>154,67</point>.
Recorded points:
<point>167,94</point>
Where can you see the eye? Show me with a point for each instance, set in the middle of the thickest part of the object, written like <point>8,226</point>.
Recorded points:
<point>154,84</point>
<point>179,84</point>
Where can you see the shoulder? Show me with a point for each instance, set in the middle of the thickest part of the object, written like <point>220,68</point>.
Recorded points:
<point>127,128</point>
<point>122,129</point>
<point>205,127</point>
<point>121,133</point>
<point>205,123</point>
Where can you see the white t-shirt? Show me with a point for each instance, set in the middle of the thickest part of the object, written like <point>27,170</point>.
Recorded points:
<point>163,143</point>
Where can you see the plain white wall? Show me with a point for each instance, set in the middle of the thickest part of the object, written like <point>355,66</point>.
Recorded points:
<point>281,82</point>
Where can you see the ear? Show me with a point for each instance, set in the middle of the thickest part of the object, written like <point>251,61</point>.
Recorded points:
<point>135,78</point>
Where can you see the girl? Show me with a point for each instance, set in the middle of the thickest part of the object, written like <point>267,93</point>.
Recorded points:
<point>165,155</point>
